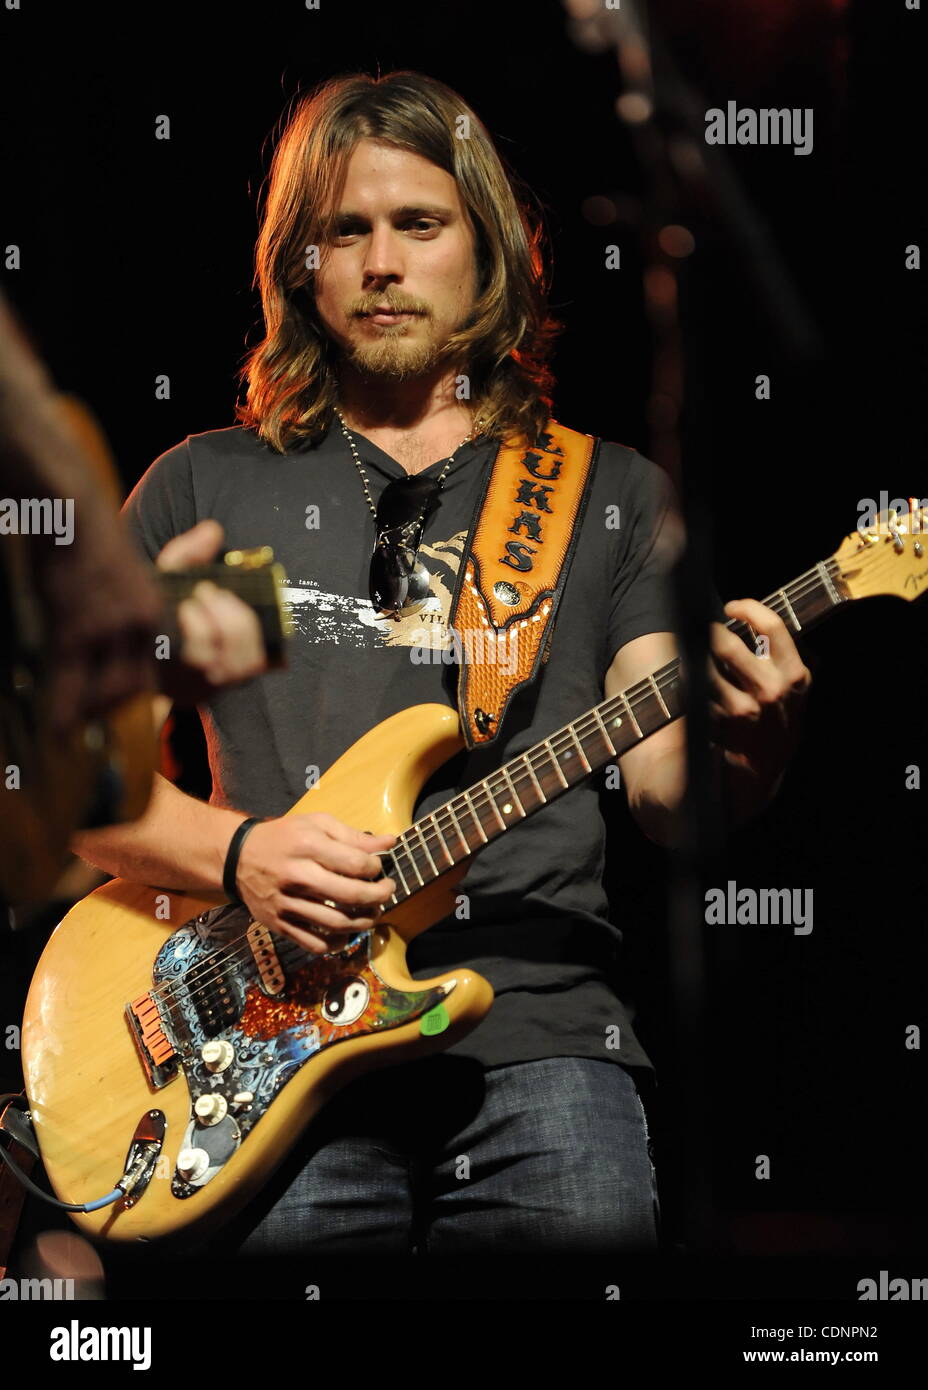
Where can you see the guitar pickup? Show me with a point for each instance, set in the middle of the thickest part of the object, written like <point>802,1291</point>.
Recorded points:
<point>159,1057</point>
<point>270,970</point>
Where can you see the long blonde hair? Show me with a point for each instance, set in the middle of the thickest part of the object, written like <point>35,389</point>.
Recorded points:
<point>507,339</point>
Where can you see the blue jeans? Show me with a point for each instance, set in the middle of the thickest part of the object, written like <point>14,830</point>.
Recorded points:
<point>440,1156</point>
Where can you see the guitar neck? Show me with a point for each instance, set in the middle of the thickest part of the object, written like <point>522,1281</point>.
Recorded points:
<point>256,583</point>
<point>526,783</point>
<point>176,585</point>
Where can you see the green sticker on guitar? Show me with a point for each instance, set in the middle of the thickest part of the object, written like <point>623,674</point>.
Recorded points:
<point>435,1021</point>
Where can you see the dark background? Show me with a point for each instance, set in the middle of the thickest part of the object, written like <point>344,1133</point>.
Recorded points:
<point>137,260</point>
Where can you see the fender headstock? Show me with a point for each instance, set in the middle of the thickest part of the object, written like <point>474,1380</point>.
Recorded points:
<point>888,557</point>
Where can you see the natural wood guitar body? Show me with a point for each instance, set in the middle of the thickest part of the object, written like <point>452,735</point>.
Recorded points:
<point>85,1080</point>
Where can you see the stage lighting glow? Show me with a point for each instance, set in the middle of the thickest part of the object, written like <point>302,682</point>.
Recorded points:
<point>676,241</point>
<point>602,212</point>
<point>634,108</point>
<point>660,287</point>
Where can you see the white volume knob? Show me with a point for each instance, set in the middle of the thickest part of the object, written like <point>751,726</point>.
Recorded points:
<point>217,1054</point>
<point>211,1108</point>
<point>192,1164</point>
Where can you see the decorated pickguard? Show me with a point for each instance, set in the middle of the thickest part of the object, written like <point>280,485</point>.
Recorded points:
<point>208,989</point>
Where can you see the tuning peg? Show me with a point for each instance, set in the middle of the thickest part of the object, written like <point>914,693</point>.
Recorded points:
<point>894,530</point>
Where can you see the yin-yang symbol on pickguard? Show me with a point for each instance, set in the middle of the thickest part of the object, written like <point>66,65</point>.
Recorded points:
<point>347,1001</point>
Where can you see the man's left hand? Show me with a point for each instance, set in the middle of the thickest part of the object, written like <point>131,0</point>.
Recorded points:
<point>757,696</point>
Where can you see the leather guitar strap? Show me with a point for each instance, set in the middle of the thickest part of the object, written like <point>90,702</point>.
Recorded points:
<point>514,567</point>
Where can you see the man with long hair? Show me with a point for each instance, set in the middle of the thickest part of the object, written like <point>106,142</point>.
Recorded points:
<point>403,285</point>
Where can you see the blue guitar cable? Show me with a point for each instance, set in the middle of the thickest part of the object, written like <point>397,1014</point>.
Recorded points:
<point>27,1182</point>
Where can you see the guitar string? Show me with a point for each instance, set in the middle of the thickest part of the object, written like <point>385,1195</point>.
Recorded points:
<point>584,725</point>
<point>635,696</point>
<point>202,973</point>
<point>222,961</point>
<point>797,591</point>
<point>485,795</point>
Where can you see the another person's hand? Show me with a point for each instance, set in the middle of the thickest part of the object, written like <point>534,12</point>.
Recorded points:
<point>101,611</point>
<point>104,612</point>
<point>291,869</point>
<point>221,635</point>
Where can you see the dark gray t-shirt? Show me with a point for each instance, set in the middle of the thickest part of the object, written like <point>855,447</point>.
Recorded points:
<point>538,927</point>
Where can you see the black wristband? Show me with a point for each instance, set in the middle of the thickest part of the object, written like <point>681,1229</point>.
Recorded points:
<point>230,871</point>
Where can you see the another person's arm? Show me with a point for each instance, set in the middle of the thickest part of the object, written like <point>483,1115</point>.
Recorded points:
<point>101,606</point>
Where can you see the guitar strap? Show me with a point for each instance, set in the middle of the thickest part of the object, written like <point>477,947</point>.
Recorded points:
<point>514,566</point>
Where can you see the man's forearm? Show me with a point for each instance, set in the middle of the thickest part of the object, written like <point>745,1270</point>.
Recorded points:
<point>743,791</point>
<point>179,843</point>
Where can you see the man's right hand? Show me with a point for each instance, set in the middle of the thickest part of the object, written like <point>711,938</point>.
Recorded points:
<point>288,866</point>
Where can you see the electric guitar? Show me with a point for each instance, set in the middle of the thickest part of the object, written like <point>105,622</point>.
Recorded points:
<point>174,1049</point>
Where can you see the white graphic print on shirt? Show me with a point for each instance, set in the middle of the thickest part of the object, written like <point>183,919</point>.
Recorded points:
<point>319,616</point>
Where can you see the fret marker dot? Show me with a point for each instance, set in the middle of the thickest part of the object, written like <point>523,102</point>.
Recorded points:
<point>507,808</point>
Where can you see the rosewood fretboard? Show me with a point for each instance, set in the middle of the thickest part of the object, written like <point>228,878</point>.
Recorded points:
<point>461,826</point>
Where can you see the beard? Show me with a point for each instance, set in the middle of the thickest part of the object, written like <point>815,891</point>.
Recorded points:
<point>392,357</point>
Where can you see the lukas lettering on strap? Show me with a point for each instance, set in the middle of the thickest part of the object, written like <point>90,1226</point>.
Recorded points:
<point>515,564</point>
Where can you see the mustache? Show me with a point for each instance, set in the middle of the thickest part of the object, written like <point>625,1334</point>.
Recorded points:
<point>393,308</point>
